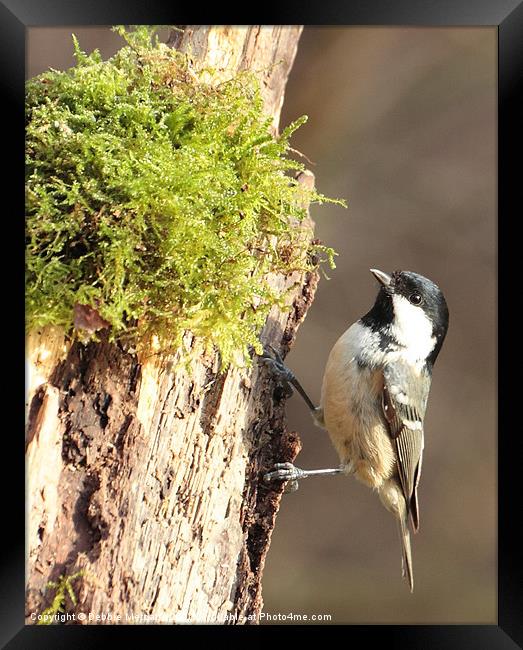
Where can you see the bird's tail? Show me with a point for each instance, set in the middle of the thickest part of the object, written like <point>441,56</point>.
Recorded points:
<point>406,560</point>
<point>391,496</point>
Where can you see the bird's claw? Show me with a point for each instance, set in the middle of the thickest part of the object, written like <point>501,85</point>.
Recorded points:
<point>285,472</point>
<point>272,358</point>
<point>271,354</point>
<point>283,375</point>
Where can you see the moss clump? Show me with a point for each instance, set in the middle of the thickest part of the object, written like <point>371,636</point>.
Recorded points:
<point>151,198</point>
<point>63,587</point>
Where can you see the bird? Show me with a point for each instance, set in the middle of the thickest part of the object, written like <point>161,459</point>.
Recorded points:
<point>374,396</point>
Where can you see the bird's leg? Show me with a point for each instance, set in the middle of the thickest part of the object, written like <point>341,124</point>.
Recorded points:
<point>288,472</point>
<point>285,376</point>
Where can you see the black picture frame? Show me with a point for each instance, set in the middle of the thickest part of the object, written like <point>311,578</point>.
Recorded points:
<point>507,15</point>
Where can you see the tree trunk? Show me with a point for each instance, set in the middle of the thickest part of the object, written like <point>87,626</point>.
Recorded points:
<point>146,479</point>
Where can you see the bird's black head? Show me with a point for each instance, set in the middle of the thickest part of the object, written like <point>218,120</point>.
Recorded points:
<point>411,306</point>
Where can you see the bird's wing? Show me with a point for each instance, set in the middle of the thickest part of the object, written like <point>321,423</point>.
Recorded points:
<point>404,402</point>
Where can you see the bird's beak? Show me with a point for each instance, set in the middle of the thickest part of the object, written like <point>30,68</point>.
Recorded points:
<point>383,278</point>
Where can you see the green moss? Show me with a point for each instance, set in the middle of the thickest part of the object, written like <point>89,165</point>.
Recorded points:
<point>152,198</point>
<point>63,587</point>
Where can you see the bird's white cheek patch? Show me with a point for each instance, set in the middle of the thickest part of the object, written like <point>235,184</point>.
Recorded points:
<point>412,328</point>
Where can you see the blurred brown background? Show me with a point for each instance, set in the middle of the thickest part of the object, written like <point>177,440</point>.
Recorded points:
<point>402,123</point>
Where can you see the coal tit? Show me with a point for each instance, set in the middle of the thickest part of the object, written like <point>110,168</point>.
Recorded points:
<point>374,395</point>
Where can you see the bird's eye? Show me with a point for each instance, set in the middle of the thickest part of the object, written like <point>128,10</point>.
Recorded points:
<point>415,299</point>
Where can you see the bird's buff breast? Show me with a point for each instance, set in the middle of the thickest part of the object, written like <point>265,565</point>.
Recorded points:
<point>352,414</point>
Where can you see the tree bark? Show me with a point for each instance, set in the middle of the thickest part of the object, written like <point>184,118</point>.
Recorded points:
<point>146,478</point>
